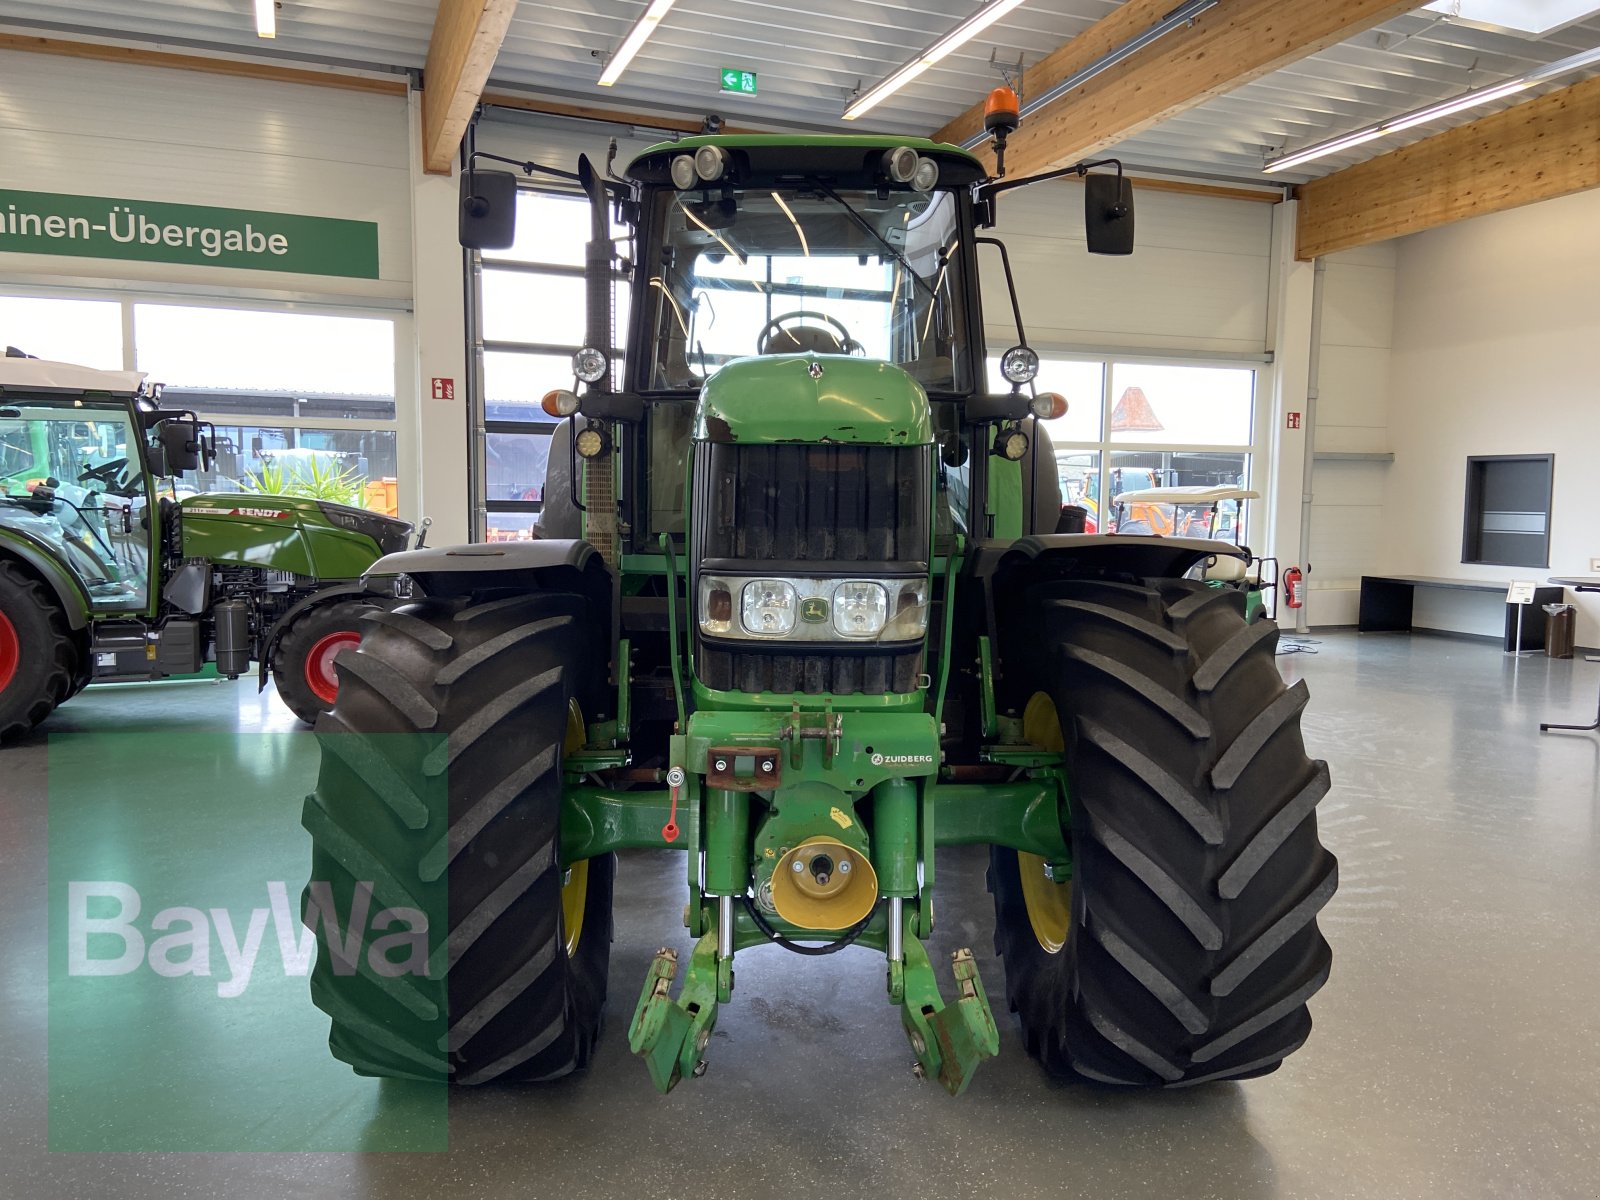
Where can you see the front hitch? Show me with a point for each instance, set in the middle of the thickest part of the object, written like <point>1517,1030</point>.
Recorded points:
<point>949,1042</point>
<point>671,1035</point>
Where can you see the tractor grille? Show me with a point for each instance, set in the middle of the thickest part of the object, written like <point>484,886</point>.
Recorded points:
<point>815,504</point>
<point>815,510</point>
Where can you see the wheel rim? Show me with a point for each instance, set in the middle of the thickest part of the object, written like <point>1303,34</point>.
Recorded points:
<point>1049,903</point>
<point>575,889</point>
<point>324,684</point>
<point>10,652</point>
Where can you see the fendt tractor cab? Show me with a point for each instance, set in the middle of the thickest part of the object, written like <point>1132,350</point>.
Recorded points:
<point>802,613</point>
<point>104,578</point>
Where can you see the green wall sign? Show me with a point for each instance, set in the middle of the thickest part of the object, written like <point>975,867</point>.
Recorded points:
<point>735,80</point>
<point>193,234</point>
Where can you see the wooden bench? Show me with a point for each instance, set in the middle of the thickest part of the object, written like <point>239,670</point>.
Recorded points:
<point>1386,605</point>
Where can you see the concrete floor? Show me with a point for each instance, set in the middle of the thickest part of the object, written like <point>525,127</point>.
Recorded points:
<point>1457,1049</point>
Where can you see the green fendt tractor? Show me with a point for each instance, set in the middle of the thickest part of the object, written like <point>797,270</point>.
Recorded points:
<point>802,612</point>
<point>104,579</point>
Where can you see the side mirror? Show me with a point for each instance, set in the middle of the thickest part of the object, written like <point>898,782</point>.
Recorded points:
<point>488,214</point>
<point>1108,214</point>
<point>179,446</point>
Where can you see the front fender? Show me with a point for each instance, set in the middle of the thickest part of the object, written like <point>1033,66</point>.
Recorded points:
<point>41,561</point>
<point>458,570</point>
<point>1063,555</point>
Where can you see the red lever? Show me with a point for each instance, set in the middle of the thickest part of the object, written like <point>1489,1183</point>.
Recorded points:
<point>669,831</point>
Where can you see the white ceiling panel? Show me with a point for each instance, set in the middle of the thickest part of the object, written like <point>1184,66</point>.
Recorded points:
<point>810,58</point>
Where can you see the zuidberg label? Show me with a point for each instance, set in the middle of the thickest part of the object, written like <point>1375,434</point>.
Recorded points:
<point>902,760</point>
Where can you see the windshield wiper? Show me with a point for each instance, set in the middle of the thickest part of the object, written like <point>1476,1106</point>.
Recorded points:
<point>871,231</point>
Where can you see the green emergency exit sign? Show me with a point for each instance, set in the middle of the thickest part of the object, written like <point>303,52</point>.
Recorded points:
<point>734,80</point>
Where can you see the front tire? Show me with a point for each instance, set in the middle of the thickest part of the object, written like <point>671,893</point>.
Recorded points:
<point>303,660</point>
<point>441,787</point>
<point>1185,947</point>
<point>38,657</point>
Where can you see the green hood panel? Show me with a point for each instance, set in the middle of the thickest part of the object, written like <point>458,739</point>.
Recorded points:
<point>312,538</point>
<point>813,398</point>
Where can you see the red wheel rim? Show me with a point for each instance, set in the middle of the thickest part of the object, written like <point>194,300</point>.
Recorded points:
<point>324,684</point>
<point>10,651</point>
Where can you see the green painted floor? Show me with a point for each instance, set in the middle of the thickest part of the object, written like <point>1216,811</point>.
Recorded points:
<point>1457,1049</point>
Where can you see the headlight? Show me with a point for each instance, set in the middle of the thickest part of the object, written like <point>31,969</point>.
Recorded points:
<point>814,610</point>
<point>860,609</point>
<point>710,162</point>
<point>1019,365</point>
<point>768,608</point>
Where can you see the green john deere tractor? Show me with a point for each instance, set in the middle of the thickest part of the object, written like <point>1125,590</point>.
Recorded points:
<point>104,579</point>
<point>805,613</point>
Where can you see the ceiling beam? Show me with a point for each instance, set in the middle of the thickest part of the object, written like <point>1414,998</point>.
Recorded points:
<point>466,40</point>
<point>1121,24</point>
<point>100,52</point>
<point>1220,50</point>
<point>1534,151</point>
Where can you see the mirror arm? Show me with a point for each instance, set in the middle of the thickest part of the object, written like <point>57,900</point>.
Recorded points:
<point>988,191</point>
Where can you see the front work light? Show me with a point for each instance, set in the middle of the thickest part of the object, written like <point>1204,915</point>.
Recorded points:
<point>926,175</point>
<point>684,176</point>
<point>589,365</point>
<point>1011,444</point>
<point>592,441</point>
<point>900,164</point>
<point>1019,365</point>
<point>710,162</point>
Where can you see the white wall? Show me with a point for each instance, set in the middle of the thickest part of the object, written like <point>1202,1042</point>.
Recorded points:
<point>1347,510</point>
<point>149,133</point>
<point>1197,281</point>
<point>1496,351</point>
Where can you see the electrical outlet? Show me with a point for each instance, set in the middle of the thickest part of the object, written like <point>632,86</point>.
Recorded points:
<point>1594,566</point>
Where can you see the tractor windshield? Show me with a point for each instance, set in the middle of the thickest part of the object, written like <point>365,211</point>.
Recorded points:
<point>808,267</point>
<point>71,482</point>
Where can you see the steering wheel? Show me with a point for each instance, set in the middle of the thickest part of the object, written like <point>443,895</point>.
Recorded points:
<point>807,337</point>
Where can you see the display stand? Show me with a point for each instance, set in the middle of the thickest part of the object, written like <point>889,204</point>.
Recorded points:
<point>1589,584</point>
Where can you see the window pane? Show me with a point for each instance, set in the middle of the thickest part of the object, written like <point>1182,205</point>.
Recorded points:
<point>549,309</point>
<point>86,332</point>
<point>1135,470</point>
<point>550,229</point>
<point>359,467</point>
<point>1181,405</point>
<point>511,527</point>
<point>1080,382</point>
<point>515,465</point>
<point>266,351</point>
<point>1080,482</point>
<point>520,381</point>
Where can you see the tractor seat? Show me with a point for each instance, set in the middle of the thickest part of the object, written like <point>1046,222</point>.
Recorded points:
<point>1227,569</point>
<point>803,339</point>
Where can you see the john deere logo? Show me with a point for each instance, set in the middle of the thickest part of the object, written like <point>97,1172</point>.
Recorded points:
<point>814,609</point>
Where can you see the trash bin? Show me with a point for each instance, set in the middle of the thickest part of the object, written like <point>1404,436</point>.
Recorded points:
<point>1560,630</point>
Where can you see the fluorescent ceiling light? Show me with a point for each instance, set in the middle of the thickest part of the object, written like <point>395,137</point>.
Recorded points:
<point>904,74</point>
<point>1527,18</point>
<point>1434,112</point>
<point>637,36</point>
<point>267,18</point>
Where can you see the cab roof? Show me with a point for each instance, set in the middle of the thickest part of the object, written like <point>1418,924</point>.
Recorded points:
<point>764,157</point>
<point>39,374</point>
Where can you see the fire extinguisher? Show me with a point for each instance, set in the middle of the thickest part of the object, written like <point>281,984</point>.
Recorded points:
<point>1294,587</point>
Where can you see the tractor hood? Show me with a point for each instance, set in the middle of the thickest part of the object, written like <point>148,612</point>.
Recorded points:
<point>813,398</point>
<point>313,538</point>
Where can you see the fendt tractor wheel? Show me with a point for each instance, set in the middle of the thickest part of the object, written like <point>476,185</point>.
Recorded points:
<point>459,817</point>
<point>302,662</point>
<point>1185,945</point>
<point>38,657</point>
